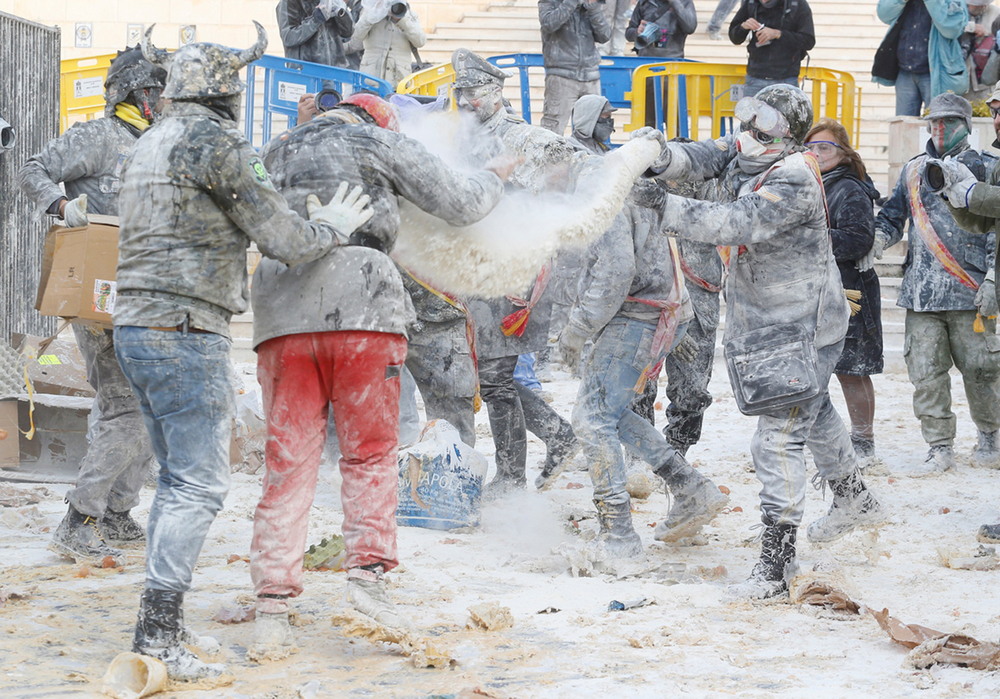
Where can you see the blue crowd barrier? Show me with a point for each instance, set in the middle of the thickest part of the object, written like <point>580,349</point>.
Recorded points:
<point>285,80</point>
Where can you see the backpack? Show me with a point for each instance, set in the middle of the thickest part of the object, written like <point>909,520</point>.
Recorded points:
<point>981,54</point>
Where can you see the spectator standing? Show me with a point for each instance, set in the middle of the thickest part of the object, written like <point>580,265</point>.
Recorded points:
<point>849,197</point>
<point>979,44</point>
<point>618,13</point>
<point>660,27</point>
<point>571,30</point>
<point>781,33</point>
<point>921,54</point>
<point>387,32</point>
<point>722,11</point>
<point>315,30</point>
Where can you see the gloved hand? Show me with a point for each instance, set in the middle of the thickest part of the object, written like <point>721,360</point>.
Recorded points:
<point>959,181</point>
<point>571,343</point>
<point>663,160</point>
<point>878,247</point>
<point>346,211</point>
<point>686,349</point>
<point>648,193</point>
<point>986,299</point>
<point>75,212</point>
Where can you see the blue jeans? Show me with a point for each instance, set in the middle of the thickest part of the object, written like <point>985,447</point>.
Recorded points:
<point>183,384</point>
<point>524,372</point>
<point>913,90</point>
<point>603,419</point>
<point>752,85</point>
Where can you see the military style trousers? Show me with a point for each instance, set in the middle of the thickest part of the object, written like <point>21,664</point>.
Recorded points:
<point>560,96</point>
<point>934,342</point>
<point>301,376</point>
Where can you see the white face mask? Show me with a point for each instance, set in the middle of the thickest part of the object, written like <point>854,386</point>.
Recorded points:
<point>748,146</point>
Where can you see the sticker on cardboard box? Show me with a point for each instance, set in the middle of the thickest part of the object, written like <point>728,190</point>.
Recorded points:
<point>49,359</point>
<point>105,293</point>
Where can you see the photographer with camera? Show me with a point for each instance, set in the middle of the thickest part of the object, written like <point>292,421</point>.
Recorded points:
<point>571,30</point>
<point>315,30</point>
<point>660,27</point>
<point>388,31</point>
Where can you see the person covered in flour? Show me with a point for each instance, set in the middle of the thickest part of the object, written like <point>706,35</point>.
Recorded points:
<point>785,312</point>
<point>944,291</point>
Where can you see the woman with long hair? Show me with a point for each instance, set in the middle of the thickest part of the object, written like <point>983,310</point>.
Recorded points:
<point>850,195</point>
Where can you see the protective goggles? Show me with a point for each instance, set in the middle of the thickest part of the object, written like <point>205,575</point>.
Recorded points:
<point>823,147</point>
<point>477,91</point>
<point>761,117</point>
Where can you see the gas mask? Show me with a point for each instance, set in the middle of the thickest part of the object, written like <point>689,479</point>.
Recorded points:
<point>482,100</point>
<point>603,129</point>
<point>947,133</point>
<point>756,151</point>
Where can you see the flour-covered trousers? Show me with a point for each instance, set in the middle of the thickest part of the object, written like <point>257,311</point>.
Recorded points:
<point>778,445</point>
<point>184,384</point>
<point>936,340</point>
<point>301,376</point>
<point>114,468</point>
<point>560,96</point>
<point>603,419</point>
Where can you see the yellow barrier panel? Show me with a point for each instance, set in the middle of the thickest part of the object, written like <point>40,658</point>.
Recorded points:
<point>428,82</point>
<point>81,88</point>
<point>708,89</point>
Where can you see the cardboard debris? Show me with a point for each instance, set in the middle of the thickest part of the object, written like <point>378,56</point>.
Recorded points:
<point>58,369</point>
<point>931,647</point>
<point>984,558</point>
<point>54,452</point>
<point>816,591</point>
<point>78,271</point>
<point>421,651</point>
<point>490,616</point>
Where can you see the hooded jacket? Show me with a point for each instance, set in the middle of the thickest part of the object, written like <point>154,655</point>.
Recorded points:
<point>387,44</point>
<point>927,285</point>
<point>782,268</point>
<point>357,287</point>
<point>676,18</point>
<point>944,52</point>
<point>571,30</point>
<point>306,38</point>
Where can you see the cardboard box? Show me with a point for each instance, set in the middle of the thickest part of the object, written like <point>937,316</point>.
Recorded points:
<point>78,271</point>
<point>59,369</point>
<point>60,441</point>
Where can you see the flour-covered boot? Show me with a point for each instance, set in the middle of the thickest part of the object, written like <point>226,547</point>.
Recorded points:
<point>697,501</point>
<point>987,453</point>
<point>79,537</point>
<point>940,458</point>
<point>272,637</point>
<point>121,528</point>
<point>617,537</point>
<point>776,567</point>
<point>366,593</point>
<point>158,632</point>
<point>853,506</point>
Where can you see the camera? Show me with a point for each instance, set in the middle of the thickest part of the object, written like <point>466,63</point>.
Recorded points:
<point>649,35</point>
<point>327,98</point>
<point>399,9</point>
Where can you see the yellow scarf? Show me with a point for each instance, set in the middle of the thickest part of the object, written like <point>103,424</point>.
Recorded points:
<point>130,114</point>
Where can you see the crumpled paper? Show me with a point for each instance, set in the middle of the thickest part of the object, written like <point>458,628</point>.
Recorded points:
<point>931,647</point>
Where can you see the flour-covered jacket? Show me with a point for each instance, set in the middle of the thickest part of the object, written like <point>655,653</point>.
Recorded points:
<point>542,150</point>
<point>88,159</point>
<point>782,268</point>
<point>307,38</point>
<point>386,45</point>
<point>194,195</point>
<point>632,259</point>
<point>571,30</point>
<point>357,287</point>
<point>927,285</point>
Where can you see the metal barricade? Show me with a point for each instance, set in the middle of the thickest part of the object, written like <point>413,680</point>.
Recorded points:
<point>81,88</point>
<point>274,85</point>
<point>683,93</point>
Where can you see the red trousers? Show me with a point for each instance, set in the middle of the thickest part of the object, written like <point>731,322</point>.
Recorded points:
<point>357,372</point>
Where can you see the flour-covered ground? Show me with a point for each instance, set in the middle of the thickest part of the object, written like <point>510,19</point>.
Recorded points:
<point>691,641</point>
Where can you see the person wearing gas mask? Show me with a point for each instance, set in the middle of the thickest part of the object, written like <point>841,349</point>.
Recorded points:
<point>785,311</point>
<point>661,27</point>
<point>188,214</point>
<point>387,32</point>
<point>781,34</point>
<point>88,160</point>
<point>571,30</point>
<point>507,327</point>
<point>332,334</point>
<point>946,291</point>
<point>315,30</point>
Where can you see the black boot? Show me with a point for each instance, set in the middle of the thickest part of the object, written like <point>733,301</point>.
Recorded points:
<point>158,634</point>
<point>853,506</point>
<point>79,537</point>
<point>617,536</point>
<point>770,576</point>
<point>121,528</point>
<point>557,457</point>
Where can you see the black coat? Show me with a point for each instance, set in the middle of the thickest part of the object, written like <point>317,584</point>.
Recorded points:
<point>781,58</point>
<point>852,232</point>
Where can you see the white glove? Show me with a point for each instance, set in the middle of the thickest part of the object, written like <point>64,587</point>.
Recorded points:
<point>878,247</point>
<point>346,211</point>
<point>663,160</point>
<point>958,182</point>
<point>686,349</point>
<point>75,212</point>
<point>571,345</point>
<point>986,299</point>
